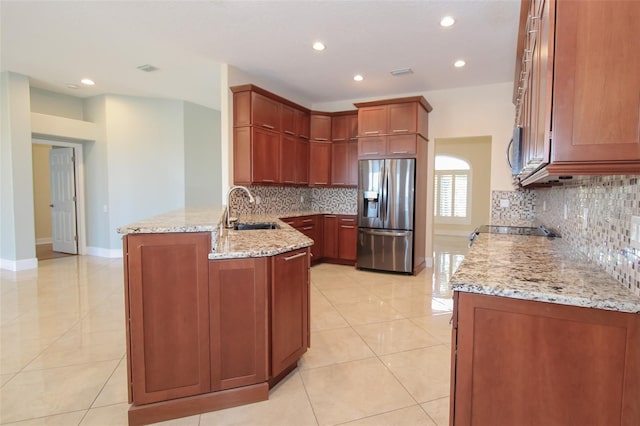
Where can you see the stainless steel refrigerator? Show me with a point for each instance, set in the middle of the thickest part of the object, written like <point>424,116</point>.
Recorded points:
<point>386,198</point>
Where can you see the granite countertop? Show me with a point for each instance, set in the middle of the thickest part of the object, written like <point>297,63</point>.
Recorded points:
<point>190,219</point>
<point>538,268</point>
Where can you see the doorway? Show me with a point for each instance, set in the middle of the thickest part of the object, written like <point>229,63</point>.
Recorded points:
<point>60,225</point>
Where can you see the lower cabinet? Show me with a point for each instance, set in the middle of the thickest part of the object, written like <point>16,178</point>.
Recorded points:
<point>340,238</point>
<point>521,362</point>
<point>208,334</point>
<point>289,307</point>
<point>311,226</point>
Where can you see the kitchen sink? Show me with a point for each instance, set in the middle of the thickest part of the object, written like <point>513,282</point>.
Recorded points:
<point>254,226</point>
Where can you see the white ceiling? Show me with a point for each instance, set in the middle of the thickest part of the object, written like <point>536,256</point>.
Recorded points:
<point>60,42</point>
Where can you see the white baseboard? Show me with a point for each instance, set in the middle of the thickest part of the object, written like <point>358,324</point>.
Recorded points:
<point>44,241</point>
<point>19,265</point>
<point>103,252</point>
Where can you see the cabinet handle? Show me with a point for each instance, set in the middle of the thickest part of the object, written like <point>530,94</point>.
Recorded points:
<point>348,220</point>
<point>295,256</point>
<point>321,139</point>
<point>339,139</point>
<point>353,139</point>
<point>307,228</point>
<point>307,220</point>
<point>321,183</point>
<point>289,132</point>
<point>289,181</point>
<point>303,136</point>
<point>373,132</point>
<point>400,130</point>
<point>268,126</point>
<point>330,215</point>
<point>400,152</point>
<point>268,180</point>
<point>371,153</point>
<point>338,183</point>
<point>345,226</point>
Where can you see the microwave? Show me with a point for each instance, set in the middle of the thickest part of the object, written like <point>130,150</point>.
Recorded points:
<point>514,151</point>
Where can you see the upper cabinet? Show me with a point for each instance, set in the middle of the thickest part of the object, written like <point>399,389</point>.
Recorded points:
<point>320,126</point>
<point>392,127</point>
<point>270,138</point>
<point>576,91</point>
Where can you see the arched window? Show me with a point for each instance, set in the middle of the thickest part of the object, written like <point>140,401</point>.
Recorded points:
<point>452,190</point>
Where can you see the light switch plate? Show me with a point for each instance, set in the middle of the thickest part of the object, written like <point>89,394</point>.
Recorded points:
<point>635,232</point>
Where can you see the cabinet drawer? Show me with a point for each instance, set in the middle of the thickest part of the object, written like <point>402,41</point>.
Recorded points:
<point>372,146</point>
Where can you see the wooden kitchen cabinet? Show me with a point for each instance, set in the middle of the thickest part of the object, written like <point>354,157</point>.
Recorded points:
<point>344,126</point>
<point>288,160</point>
<point>344,164</point>
<point>289,306</point>
<point>238,309</point>
<point>301,161</point>
<point>522,362</point>
<point>303,124</point>
<point>320,127</point>
<point>392,127</point>
<point>579,106</point>
<point>256,156</point>
<point>288,120</point>
<point>167,308</point>
<point>319,163</point>
<point>347,238</point>
<point>311,226</point>
<point>330,236</point>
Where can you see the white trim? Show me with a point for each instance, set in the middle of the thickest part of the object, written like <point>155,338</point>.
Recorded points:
<point>80,207</point>
<point>19,265</point>
<point>47,240</point>
<point>103,252</point>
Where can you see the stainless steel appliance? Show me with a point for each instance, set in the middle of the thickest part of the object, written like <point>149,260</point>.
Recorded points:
<point>386,197</point>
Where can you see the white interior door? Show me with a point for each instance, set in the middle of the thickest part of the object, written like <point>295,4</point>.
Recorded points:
<point>63,200</point>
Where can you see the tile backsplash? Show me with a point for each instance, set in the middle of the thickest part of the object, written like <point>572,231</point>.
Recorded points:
<point>593,215</point>
<point>282,199</point>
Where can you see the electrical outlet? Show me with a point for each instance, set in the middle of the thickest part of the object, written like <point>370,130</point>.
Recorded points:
<point>544,206</point>
<point>635,232</point>
<point>504,203</point>
<point>302,199</point>
<point>585,218</point>
<point>566,212</point>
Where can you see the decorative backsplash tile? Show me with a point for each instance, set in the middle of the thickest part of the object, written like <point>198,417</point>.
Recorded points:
<point>594,216</point>
<point>282,199</point>
<point>515,208</point>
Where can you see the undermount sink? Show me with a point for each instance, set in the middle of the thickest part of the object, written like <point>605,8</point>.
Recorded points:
<point>254,226</point>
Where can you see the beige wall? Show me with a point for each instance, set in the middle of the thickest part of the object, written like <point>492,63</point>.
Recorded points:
<point>41,192</point>
<point>477,152</point>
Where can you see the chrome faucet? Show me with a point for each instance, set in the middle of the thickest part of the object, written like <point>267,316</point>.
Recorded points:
<point>227,212</point>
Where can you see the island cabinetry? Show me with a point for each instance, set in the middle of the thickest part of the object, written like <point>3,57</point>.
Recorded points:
<point>167,307</point>
<point>289,308</point>
<point>238,306</point>
<point>522,362</point>
<point>340,238</point>
<point>575,98</point>
<point>392,127</point>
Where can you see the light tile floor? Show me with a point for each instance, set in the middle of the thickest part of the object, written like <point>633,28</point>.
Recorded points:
<point>380,350</point>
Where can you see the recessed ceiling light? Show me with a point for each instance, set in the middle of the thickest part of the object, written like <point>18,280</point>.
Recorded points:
<point>358,77</point>
<point>447,21</point>
<point>459,63</point>
<point>318,45</point>
<point>72,86</point>
<point>87,82</point>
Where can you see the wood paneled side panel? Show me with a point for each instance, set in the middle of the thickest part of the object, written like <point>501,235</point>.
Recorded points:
<point>596,94</point>
<point>242,109</point>
<point>242,155</point>
<point>533,363</point>
<point>352,164</point>
<point>127,313</point>
<point>238,300</point>
<point>168,292</point>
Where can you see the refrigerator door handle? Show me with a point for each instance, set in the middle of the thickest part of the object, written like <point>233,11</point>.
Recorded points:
<point>385,194</point>
<point>385,233</point>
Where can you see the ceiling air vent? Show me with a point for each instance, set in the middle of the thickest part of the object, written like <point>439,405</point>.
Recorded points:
<point>147,68</point>
<point>402,71</point>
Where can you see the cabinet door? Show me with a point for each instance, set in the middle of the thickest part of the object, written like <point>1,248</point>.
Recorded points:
<point>330,234</point>
<point>311,226</point>
<point>596,100</point>
<point>372,146</point>
<point>352,127</point>
<point>319,163</point>
<point>168,308</point>
<point>320,127</point>
<point>288,158</point>
<point>303,126</point>
<point>339,128</point>
<point>238,322</point>
<point>288,120</point>
<point>347,238</point>
<point>340,163</point>
<point>352,164</point>
<point>265,112</point>
<point>302,161</point>
<point>265,156</point>
<point>372,121</point>
<point>289,308</point>
<point>403,118</point>
<point>402,145</point>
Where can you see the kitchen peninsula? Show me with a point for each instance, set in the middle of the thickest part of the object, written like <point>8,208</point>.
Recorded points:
<point>215,316</point>
<point>541,336</point>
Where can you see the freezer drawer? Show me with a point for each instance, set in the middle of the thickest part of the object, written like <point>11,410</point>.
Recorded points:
<point>385,250</point>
